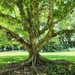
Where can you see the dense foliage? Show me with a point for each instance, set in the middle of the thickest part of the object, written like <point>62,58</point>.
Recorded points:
<point>59,69</point>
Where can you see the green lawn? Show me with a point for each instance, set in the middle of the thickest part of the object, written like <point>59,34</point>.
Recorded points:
<point>6,57</point>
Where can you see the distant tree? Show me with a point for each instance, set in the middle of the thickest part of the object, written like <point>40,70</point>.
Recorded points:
<point>50,47</point>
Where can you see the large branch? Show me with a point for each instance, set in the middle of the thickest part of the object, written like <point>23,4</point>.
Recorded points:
<point>63,17</point>
<point>17,37</point>
<point>44,41</point>
<point>35,15</point>
<point>65,31</point>
<point>49,23</point>
<point>22,14</point>
<point>49,27</point>
<point>8,16</point>
<point>49,35</point>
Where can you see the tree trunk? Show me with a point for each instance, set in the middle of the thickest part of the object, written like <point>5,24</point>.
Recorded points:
<point>33,60</point>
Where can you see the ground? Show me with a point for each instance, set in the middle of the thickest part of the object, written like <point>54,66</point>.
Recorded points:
<point>27,69</point>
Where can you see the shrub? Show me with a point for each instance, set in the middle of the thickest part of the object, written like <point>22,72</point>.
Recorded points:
<point>59,69</point>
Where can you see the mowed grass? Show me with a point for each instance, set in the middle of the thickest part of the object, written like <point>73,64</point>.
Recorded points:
<point>70,56</point>
<point>7,57</point>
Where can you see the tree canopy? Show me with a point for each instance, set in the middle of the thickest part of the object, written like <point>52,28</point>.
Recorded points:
<point>32,19</point>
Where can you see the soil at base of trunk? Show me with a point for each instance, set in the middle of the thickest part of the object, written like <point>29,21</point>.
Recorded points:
<point>27,70</point>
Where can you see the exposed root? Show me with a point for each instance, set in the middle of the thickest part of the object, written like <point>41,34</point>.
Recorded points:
<point>34,69</point>
<point>15,66</point>
<point>44,60</point>
<point>33,64</point>
<point>10,68</point>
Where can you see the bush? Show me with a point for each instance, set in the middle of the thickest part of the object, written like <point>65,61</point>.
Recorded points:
<point>50,47</point>
<point>59,69</point>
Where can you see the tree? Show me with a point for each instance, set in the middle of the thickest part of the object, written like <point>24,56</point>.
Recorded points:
<point>22,19</point>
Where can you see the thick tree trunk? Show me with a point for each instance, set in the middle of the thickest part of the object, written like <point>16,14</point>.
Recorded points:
<point>34,56</point>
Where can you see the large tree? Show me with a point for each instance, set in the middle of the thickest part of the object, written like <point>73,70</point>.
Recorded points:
<point>32,23</point>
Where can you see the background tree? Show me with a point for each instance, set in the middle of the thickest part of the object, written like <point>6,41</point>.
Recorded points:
<point>22,19</point>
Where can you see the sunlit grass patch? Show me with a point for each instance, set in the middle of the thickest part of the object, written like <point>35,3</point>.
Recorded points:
<point>59,53</point>
<point>13,53</point>
<point>60,57</point>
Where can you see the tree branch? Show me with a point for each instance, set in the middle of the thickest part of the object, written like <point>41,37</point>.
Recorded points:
<point>22,14</point>
<point>47,38</point>
<point>49,23</point>
<point>62,18</point>
<point>42,6</point>
<point>63,32</point>
<point>17,37</point>
<point>49,27</point>
<point>44,41</point>
<point>8,16</point>
<point>35,16</point>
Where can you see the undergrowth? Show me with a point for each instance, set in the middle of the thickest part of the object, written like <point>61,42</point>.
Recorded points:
<point>59,69</point>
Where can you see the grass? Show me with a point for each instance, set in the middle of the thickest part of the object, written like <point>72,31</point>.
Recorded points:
<point>13,53</point>
<point>7,57</point>
<point>56,57</point>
